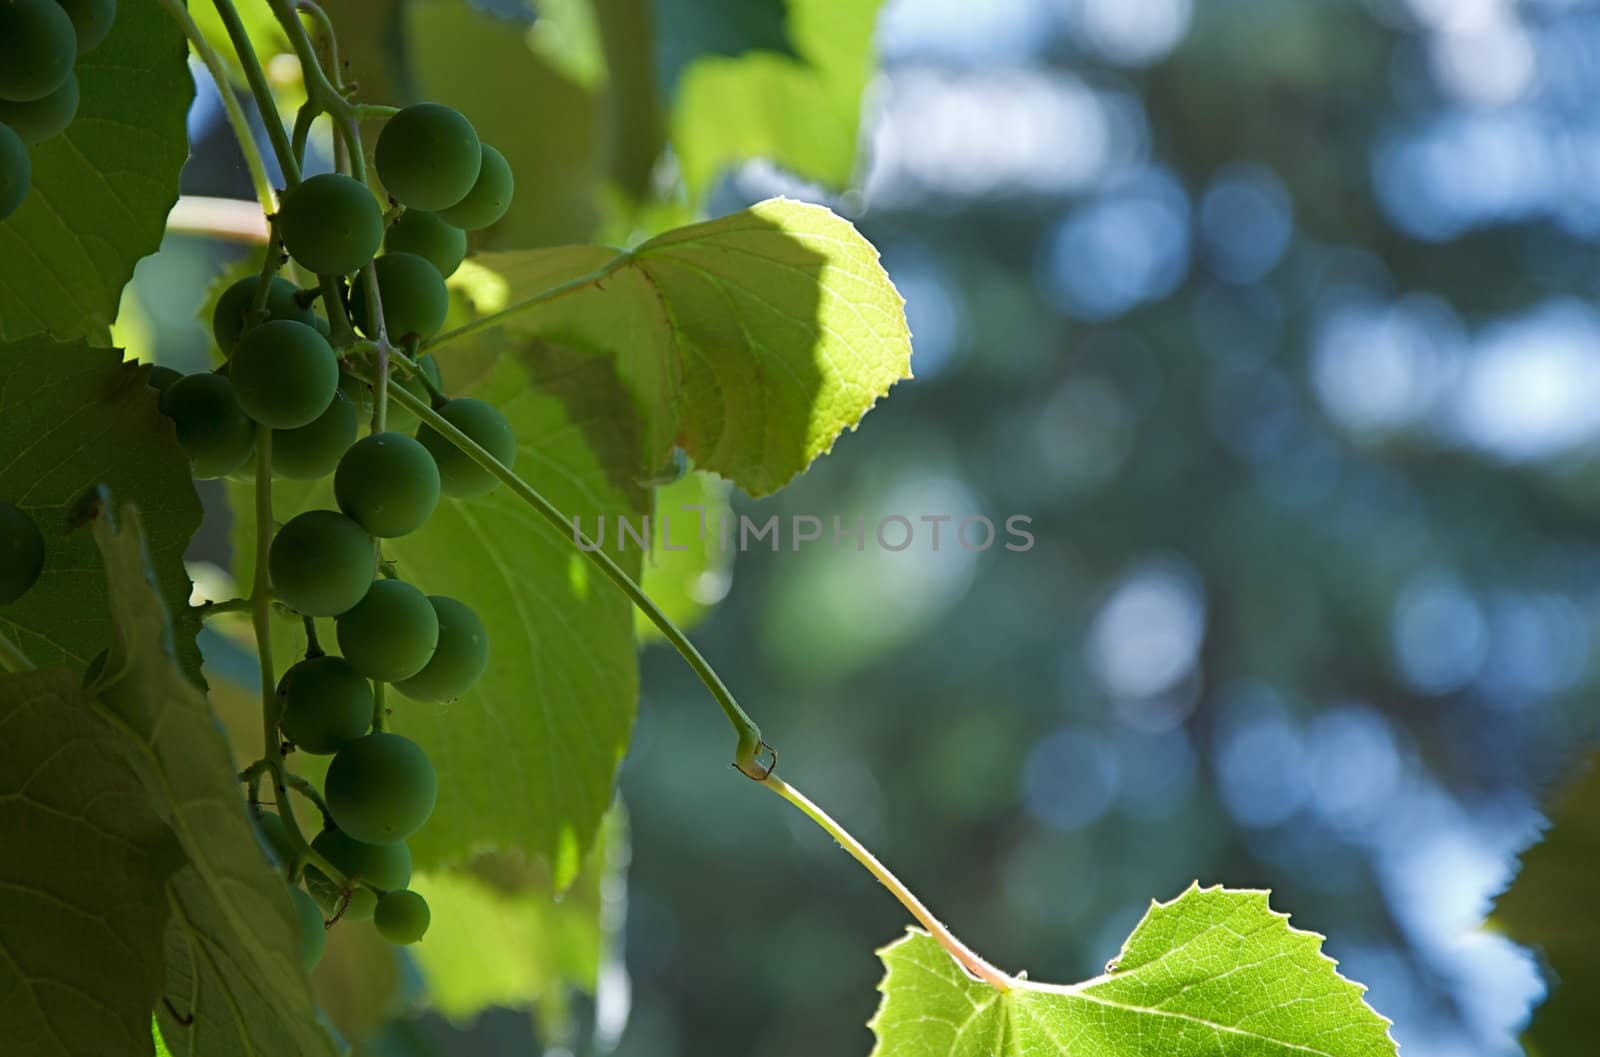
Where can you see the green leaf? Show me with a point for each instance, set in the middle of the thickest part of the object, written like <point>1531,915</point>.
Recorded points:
<point>688,570</point>
<point>752,341</point>
<point>231,944</point>
<point>476,62</point>
<point>101,189</point>
<point>1213,973</point>
<point>72,417</point>
<point>1550,907</point>
<point>802,112</point>
<point>83,876</point>
<point>501,937</point>
<point>689,29</point>
<point>526,759</point>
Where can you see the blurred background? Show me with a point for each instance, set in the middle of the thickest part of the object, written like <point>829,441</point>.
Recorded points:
<point>1277,320</point>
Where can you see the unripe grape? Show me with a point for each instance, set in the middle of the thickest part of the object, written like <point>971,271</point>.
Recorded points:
<point>415,299</point>
<point>428,156</point>
<point>327,704</point>
<point>312,451</point>
<point>41,119</point>
<point>161,378</point>
<point>423,233</point>
<point>37,49</point>
<point>16,171</point>
<point>459,658</point>
<point>390,634</point>
<point>403,418</point>
<point>381,789</point>
<point>490,196</point>
<point>321,563</point>
<point>212,428</point>
<point>384,866</point>
<point>91,20</point>
<point>21,553</point>
<point>313,931</point>
<point>459,475</point>
<point>273,834</point>
<point>331,224</point>
<point>402,917</point>
<point>228,318</point>
<point>388,483</point>
<point>284,373</point>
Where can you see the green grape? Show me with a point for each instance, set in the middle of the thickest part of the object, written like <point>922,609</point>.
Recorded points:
<point>388,482</point>
<point>21,553</point>
<point>423,233</point>
<point>161,378</point>
<point>386,867</point>
<point>402,917</point>
<point>390,634</point>
<point>490,196</point>
<point>284,373</point>
<point>458,474</point>
<point>91,20</point>
<point>273,833</point>
<point>212,428</point>
<point>327,704</point>
<point>283,302</point>
<point>313,930</point>
<point>16,169</point>
<point>37,49</point>
<point>331,224</point>
<point>403,418</point>
<point>415,300</point>
<point>41,119</point>
<point>428,156</point>
<point>321,563</point>
<point>381,788</point>
<point>312,451</point>
<point>458,660</point>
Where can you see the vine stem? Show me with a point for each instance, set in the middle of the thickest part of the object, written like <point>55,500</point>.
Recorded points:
<point>747,758</point>
<point>230,104</point>
<point>256,78</point>
<point>974,964</point>
<point>494,319</point>
<point>12,659</point>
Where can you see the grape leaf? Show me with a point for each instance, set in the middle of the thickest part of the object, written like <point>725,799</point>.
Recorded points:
<point>1213,973</point>
<point>802,112</point>
<point>501,937</point>
<point>85,902</point>
<point>689,29</point>
<point>752,341</point>
<point>688,570</point>
<point>103,188</point>
<point>72,417</point>
<point>232,962</point>
<point>525,759</point>
<point>1550,907</point>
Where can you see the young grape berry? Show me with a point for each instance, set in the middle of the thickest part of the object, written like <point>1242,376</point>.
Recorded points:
<point>16,171</point>
<point>314,450</point>
<point>331,224</point>
<point>212,428</point>
<point>228,318</point>
<point>417,231</point>
<point>91,21</point>
<point>386,867</point>
<point>40,119</point>
<point>313,931</point>
<point>391,634</point>
<point>402,917</point>
<point>21,553</point>
<point>387,482</point>
<point>459,475</point>
<point>415,299</point>
<point>38,45</point>
<point>321,563</point>
<point>273,834</point>
<point>284,373</point>
<point>459,658</point>
<point>428,156</point>
<point>490,196</point>
<point>327,704</point>
<point>381,788</point>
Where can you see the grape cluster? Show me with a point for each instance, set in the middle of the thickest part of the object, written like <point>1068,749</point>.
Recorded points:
<point>40,41</point>
<point>283,373</point>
